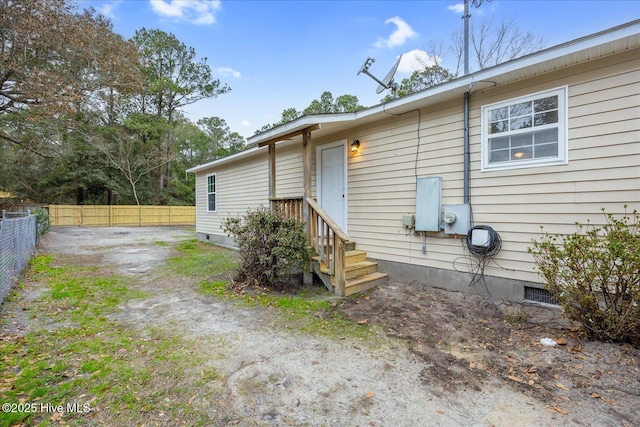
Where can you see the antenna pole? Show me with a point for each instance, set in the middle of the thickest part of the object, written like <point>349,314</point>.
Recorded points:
<point>466,17</point>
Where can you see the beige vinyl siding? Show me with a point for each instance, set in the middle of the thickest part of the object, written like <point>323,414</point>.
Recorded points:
<point>382,184</point>
<point>289,171</point>
<point>240,186</point>
<point>603,171</point>
<point>243,184</point>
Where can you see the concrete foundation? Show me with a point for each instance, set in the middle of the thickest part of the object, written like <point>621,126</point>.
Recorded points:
<point>499,288</point>
<point>217,239</point>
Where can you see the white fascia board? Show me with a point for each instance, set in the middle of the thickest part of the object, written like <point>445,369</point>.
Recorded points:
<point>523,64</point>
<point>232,157</point>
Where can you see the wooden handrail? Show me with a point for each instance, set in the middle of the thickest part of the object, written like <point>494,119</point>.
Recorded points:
<point>332,224</point>
<point>329,242</point>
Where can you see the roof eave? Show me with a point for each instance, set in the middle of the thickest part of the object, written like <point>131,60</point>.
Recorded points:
<point>555,57</point>
<point>226,159</point>
<point>507,72</point>
<point>519,68</point>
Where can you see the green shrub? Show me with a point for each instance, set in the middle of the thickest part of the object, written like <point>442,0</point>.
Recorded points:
<point>272,248</point>
<point>42,222</point>
<point>594,274</point>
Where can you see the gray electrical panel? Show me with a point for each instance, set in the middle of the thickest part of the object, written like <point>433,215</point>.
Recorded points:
<point>461,216</point>
<point>428,203</point>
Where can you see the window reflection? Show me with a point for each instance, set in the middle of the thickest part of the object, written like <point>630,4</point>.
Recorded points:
<point>518,123</point>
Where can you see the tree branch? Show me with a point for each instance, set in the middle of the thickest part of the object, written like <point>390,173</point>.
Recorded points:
<point>25,146</point>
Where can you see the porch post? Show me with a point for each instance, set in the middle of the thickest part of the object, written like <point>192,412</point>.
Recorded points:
<point>272,175</point>
<point>306,163</point>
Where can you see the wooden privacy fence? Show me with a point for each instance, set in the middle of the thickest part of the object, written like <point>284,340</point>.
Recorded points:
<point>121,215</point>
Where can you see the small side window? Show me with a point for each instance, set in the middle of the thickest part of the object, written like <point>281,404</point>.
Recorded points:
<point>211,193</point>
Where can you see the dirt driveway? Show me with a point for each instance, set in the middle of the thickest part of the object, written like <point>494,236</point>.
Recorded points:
<point>447,360</point>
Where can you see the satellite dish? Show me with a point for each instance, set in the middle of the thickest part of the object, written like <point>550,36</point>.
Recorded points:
<point>366,65</point>
<point>387,82</point>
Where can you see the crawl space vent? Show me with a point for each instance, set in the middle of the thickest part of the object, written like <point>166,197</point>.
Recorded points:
<point>539,295</point>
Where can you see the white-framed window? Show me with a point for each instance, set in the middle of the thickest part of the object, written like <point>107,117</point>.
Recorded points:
<point>212,201</point>
<point>526,132</point>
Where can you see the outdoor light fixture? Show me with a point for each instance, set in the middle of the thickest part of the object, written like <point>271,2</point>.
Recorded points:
<point>355,146</point>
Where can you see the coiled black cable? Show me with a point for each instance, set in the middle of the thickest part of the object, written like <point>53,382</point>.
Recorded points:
<point>484,253</point>
<point>491,249</point>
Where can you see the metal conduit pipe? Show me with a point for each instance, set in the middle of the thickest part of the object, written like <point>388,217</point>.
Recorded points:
<point>467,158</point>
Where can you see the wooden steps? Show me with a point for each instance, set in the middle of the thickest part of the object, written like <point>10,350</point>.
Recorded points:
<point>362,283</point>
<point>360,274</point>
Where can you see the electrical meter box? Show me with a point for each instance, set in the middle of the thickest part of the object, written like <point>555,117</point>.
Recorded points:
<point>456,219</point>
<point>408,221</point>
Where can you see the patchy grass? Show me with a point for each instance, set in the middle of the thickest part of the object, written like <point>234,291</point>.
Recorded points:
<point>219,289</point>
<point>76,355</point>
<point>313,313</point>
<point>202,260</point>
<point>311,310</point>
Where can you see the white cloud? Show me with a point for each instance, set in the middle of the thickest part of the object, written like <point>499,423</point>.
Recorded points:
<point>199,12</point>
<point>415,60</point>
<point>245,123</point>
<point>399,36</point>
<point>457,8</point>
<point>166,9</point>
<point>107,9</point>
<point>226,71</point>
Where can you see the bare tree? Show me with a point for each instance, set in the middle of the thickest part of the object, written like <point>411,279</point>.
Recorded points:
<point>492,44</point>
<point>435,53</point>
<point>128,154</point>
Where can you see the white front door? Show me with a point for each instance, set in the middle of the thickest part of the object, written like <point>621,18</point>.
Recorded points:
<point>332,182</point>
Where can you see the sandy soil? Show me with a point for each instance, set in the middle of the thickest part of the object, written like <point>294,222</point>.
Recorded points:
<point>448,359</point>
<point>471,345</point>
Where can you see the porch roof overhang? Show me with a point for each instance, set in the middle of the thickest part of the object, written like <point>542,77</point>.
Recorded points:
<point>300,129</point>
<point>599,45</point>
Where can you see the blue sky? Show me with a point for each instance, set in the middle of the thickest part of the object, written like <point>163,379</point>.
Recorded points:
<point>280,54</point>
